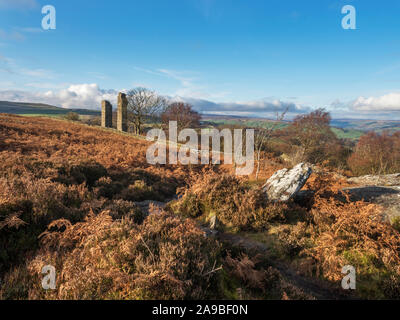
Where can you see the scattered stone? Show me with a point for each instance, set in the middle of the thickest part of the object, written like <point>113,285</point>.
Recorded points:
<point>285,184</point>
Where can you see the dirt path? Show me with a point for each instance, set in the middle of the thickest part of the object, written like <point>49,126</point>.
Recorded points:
<point>314,287</point>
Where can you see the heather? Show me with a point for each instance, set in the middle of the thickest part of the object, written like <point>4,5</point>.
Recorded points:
<point>71,195</point>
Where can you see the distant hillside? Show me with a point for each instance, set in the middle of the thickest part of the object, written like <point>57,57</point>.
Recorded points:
<point>40,109</point>
<point>344,128</point>
<point>367,125</point>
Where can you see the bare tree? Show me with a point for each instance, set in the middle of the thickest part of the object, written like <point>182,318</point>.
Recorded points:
<point>183,113</point>
<point>262,136</point>
<point>143,104</point>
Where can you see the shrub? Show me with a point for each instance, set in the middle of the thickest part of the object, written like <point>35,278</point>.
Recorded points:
<point>294,239</point>
<point>164,258</point>
<point>72,116</point>
<point>318,143</point>
<point>93,121</point>
<point>376,154</point>
<point>391,287</point>
<point>120,209</point>
<point>107,188</point>
<point>396,223</point>
<point>348,233</point>
<point>183,114</point>
<point>27,206</point>
<point>52,169</point>
<point>189,206</point>
<point>88,172</point>
<point>235,203</point>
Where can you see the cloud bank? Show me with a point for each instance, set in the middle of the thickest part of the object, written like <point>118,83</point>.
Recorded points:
<point>386,103</point>
<point>257,107</point>
<point>87,96</point>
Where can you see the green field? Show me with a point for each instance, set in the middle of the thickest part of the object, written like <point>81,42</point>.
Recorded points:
<point>351,134</point>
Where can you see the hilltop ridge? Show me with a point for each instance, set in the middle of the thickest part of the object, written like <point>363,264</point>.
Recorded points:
<point>27,108</point>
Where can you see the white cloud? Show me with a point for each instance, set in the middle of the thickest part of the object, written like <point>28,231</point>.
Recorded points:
<point>263,107</point>
<point>386,103</point>
<point>88,96</point>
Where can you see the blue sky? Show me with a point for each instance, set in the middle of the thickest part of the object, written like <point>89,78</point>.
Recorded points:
<point>245,57</point>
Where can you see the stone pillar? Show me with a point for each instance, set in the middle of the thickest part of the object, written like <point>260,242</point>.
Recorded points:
<point>106,114</point>
<point>122,116</point>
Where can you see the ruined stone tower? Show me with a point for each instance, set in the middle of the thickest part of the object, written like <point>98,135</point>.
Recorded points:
<point>106,114</point>
<point>122,116</point>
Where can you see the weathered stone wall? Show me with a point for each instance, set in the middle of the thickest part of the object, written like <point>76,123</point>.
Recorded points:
<point>122,116</point>
<point>106,114</point>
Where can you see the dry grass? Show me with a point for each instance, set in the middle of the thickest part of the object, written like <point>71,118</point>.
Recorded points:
<point>52,169</point>
<point>164,258</point>
<point>80,184</point>
<point>236,204</point>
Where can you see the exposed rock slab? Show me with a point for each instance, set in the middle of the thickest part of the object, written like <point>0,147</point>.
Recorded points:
<point>380,180</point>
<point>285,184</point>
<point>387,197</point>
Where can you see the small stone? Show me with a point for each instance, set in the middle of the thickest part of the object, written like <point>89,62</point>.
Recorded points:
<point>213,222</point>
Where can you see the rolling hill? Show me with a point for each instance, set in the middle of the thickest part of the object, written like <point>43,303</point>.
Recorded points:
<point>344,128</point>
<point>21,108</point>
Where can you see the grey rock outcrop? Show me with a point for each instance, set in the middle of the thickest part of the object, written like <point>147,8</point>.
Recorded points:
<point>382,180</point>
<point>285,184</point>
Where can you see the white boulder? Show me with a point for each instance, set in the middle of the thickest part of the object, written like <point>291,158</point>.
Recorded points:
<point>285,184</point>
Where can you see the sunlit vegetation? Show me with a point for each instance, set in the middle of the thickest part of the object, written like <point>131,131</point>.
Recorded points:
<point>70,194</point>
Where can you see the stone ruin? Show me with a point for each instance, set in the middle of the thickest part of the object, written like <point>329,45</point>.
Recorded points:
<point>106,114</point>
<point>122,113</point>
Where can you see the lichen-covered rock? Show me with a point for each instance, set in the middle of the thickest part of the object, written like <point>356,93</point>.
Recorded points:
<point>285,184</point>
